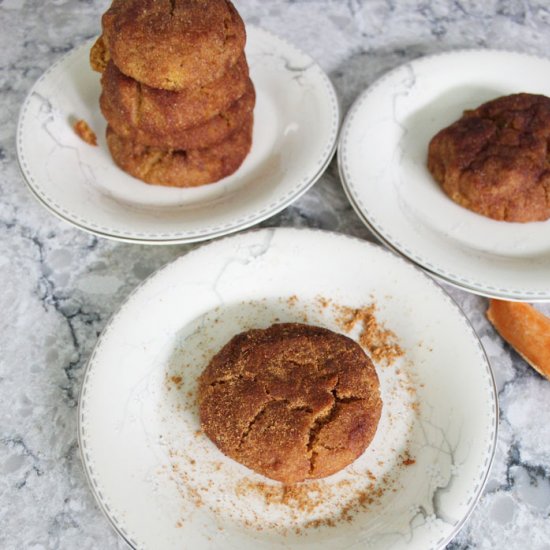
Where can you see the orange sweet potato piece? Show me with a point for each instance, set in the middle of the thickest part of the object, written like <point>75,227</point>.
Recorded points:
<point>525,329</point>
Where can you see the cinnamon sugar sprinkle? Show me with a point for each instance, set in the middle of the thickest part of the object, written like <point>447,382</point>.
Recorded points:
<point>305,497</point>
<point>378,340</point>
<point>177,381</point>
<point>309,496</point>
<point>293,300</point>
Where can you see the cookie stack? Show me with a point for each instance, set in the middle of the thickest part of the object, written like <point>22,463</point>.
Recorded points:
<point>176,91</point>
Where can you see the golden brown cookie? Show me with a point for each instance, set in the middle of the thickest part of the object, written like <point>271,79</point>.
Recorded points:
<point>182,168</point>
<point>160,112</point>
<point>173,44</point>
<point>291,402</point>
<point>494,160</point>
<point>152,131</point>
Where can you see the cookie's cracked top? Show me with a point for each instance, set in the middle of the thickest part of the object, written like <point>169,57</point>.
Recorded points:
<point>173,44</point>
<point>291,402</point>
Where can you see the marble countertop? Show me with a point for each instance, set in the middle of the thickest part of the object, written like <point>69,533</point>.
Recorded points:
<point>60,285</point>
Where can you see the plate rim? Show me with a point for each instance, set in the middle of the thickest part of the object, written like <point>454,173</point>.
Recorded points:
<point>259,215</point>
<point>461,282</point>
<point>440,278</point>
<point>495,416</point>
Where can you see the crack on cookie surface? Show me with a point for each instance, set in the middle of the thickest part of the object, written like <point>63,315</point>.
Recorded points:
<point>172,7</point>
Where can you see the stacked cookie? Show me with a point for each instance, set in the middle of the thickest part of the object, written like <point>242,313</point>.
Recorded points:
<point>176,91</point>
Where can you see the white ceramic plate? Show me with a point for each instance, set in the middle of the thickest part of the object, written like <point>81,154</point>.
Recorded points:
<point>295,129</point>
<point>382,159</point>
<point>163,484</point>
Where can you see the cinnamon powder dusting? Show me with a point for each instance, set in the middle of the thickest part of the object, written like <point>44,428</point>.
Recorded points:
<point>292,300</point>
<point>173,381</point>
<point>304,497</point>
<point>310,496</point>
<point>380,341</point>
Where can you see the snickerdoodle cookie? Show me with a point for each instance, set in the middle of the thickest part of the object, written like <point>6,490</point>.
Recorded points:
<point>292,402</point>
<point>495,159</point>
<point>211,132</point>
<point>173,44</point>
<point>177,168</point>
<point>159,112</point>
<point>150,124</point>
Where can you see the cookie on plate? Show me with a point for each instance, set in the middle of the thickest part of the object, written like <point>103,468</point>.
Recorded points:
<point>173,45</point>
<point>292,401</point>
<point>494,160</point>
<point>178,168</point>
<point>154,127</point>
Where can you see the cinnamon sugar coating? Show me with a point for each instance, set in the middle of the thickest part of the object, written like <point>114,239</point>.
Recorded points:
<point>176,168</point>
<point>173,44</point>
<point>292,402</point>
<point>495,160</point>
<point>149,124</point>
<point>160,112</point>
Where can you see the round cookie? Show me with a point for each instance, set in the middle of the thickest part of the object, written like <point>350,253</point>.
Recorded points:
<point>157,113</point>
<point>292,402</point>
<point>182,168</point>
<point>494,160</point>
<point>173,44</point>
<point>148,130</point>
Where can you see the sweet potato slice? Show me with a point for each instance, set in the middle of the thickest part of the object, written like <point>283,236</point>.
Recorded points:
<point>525,329</point>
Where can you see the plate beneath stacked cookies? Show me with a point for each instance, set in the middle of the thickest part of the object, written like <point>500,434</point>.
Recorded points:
<point>382,158</point>
<point>163,483</point>
<point>296,120</point>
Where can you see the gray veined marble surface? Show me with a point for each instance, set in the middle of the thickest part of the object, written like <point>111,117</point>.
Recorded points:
<point>60,285</point>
